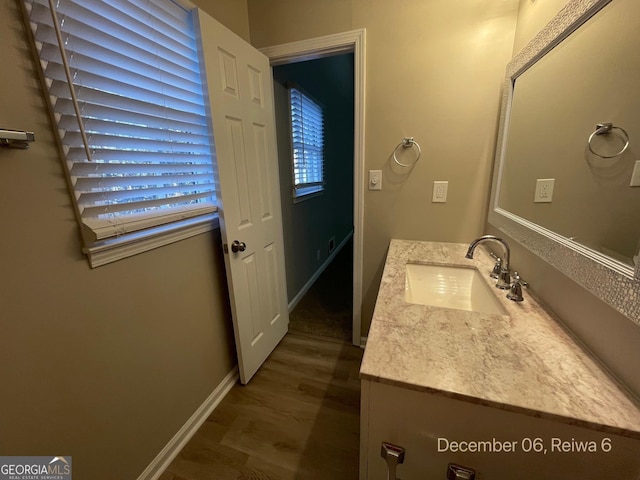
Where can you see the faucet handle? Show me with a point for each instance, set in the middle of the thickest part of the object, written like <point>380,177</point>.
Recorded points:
<point>517,279</point>
<point>497,268</point>
<point>515,292</point>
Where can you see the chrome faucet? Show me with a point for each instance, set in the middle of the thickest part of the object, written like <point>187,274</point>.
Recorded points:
<point>504,278</point>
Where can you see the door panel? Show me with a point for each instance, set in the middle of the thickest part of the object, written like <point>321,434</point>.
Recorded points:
<point>228,72</point>
<point>271,283</point>
<point>238,80</point>
<point>237,155</point>
<point>265,197</point>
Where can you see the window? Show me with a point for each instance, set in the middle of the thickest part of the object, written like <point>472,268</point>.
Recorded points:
<point>307,143</point>
<point>133,125</point>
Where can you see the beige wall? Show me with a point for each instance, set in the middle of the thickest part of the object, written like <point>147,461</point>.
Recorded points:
<point>434,73</point>
<point>233,14</point>
<point>273,22</point>
<point>533,15</point>
<point>104,365</point>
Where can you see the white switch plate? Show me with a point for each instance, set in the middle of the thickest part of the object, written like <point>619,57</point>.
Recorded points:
<point>544,190</point>
<point>440,191</point>
<point>635,176</point>
<point>375,179</point>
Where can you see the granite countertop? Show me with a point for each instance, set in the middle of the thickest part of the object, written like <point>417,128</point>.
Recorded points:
<point>524,362</point>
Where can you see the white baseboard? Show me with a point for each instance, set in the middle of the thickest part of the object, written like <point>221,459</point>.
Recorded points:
<point>314,277</point>
<point>180,439</point>
<point>363,342</point>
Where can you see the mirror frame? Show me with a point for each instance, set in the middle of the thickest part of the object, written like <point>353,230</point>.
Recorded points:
<point>612,281</point>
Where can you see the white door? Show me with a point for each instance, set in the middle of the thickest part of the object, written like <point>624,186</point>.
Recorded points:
<point>238,79</point>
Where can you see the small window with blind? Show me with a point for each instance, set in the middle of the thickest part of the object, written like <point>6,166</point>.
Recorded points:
<point>307,144</point>
<point>126,94</point>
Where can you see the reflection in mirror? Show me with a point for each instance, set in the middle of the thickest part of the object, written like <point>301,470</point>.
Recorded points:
<point>579,71</point>
<point>589,78</point>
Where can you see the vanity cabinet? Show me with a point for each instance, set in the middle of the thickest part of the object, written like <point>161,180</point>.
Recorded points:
<point>507,393</point>
<point>436,430</point>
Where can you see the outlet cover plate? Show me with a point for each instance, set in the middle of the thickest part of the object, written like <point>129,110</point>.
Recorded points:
<point>544,190</point>
<point>440,189</point>
<point>635,176</point>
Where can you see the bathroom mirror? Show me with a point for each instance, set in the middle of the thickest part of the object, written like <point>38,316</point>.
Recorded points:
<point>580,70</point>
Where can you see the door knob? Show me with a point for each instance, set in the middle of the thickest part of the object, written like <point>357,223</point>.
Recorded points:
<point>237,246</point>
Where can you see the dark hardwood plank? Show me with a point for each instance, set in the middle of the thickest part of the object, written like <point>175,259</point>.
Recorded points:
<point>326,309</point>
<point>297,419</point>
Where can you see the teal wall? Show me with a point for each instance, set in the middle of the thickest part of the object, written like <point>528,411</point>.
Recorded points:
<point>308,225</point>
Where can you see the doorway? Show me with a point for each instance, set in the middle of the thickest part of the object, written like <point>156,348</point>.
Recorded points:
<point>317,228</point>
<point>347,42</point>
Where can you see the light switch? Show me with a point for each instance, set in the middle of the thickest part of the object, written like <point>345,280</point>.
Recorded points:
<point>375,179</point>
<point>635,176</point>
<point>544,190</point>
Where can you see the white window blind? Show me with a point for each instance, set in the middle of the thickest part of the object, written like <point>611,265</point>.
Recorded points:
<point>136,77</point>
<point>307,141</point>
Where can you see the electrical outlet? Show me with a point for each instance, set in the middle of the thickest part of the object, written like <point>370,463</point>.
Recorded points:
<point>332,245</point>
<point>544,190</point>
<point>440,191</point>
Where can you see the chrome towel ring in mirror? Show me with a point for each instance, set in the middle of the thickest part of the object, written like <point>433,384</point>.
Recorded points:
<point>602,128</point>
<point>407,142</point>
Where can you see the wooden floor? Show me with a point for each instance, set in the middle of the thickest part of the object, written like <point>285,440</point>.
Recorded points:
<point>327,308</point>
<point>298,418</point>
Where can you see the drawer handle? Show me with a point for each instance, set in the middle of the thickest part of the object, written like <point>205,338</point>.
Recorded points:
<point>393,455</point>
<point>456,472</point>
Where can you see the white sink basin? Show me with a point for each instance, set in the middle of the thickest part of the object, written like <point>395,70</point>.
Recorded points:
<point>461,288</point>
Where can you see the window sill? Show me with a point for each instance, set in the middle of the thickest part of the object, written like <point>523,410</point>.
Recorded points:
<point>111,250</point>
<point>307,194</point>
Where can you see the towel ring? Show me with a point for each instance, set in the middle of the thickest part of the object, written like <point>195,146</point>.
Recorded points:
<point>602,128</point>
<point>407,142</point>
